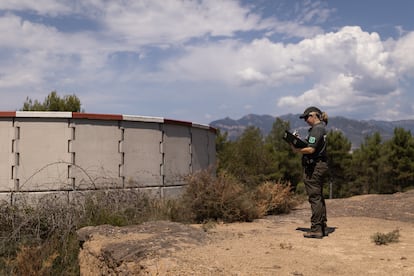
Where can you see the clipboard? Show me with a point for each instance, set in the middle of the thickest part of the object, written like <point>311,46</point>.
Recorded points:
<point>294,140</point>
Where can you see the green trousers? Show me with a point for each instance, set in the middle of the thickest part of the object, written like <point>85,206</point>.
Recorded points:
<point>313,179</point>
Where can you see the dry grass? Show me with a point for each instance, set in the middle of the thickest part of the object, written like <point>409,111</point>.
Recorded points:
<point>40,239</point>
<point>219,198</point>
<point>224,198</point>
<point>273,198</point>
<point>384,239</point>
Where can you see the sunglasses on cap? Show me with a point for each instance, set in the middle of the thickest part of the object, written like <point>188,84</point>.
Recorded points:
<point>307,116</point>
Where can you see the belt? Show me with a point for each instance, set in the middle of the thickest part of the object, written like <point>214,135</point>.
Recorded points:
<point>317,160</point>
<point>320,160</point>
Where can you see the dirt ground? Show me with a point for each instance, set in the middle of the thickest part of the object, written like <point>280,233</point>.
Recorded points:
<point>271,246</point>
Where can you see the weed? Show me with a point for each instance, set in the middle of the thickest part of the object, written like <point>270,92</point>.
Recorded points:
<point>224,198</point>
<point>273,198</point>
<point>208,225</point>
<point>383,239</point>
<point>287,245</point>
<point>218,198</point>
<point>40,239</point>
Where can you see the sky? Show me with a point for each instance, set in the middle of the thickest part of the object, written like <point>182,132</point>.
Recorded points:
<point>205,60</point>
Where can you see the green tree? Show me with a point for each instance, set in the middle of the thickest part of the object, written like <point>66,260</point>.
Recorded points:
<point>367,167</point>
<point>400,160</point>
<point>247,158</point>
<point>339,159</point>
<point>224,151</point>
<point>286,164</point>
<point>53,102</point>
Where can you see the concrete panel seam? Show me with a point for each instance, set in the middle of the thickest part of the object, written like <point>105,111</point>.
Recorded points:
<point>15,146</point>
<point>191,151</point>
<point>162,165</point>
<point>16,184</point>
<point>152,153</point>
<point>16,157</point>
<point>71,151</point>
<point>17,132</point>
<point>121,150</point>
<point>121,146</point>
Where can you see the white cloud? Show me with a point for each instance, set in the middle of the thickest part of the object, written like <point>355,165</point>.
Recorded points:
<point>251,76</point>
<point>44,7</point>
<point>168,22</point>
<point>402,54</point>
<point>36,53</point>
<point>346,68</point>
<point>153,22</point>
<point>248,107</point>
<point>22,34</point>
<point>351,68</point>
<point>176,22</point>
<point>129,26</point>
<point>260,62</point>
<point>351,52</point>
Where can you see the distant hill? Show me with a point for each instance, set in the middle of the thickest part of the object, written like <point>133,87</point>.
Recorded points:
<point>354,130</point>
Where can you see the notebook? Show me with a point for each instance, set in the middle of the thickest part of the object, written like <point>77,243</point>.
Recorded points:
<point>294,140</point>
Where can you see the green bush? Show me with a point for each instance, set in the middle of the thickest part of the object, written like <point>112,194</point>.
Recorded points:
<point>383,239</point>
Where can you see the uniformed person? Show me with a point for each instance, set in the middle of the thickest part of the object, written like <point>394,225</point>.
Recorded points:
<point>315,166</point>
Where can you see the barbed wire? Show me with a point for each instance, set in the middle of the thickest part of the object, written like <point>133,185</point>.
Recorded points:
<point>58,163</point>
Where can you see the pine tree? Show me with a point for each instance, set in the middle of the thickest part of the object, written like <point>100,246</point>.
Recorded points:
<point>401,159</point>
<point>339,158</point>
<point>53,102</point>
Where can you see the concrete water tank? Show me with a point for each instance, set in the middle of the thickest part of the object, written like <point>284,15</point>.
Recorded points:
<point>65,152</point>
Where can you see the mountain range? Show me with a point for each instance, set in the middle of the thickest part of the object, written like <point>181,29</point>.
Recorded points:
<point>354,130</point>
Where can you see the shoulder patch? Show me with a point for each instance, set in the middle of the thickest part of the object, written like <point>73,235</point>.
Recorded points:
<point>312,140</point>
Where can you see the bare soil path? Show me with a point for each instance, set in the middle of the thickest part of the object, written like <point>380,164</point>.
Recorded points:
<point>270,246</point>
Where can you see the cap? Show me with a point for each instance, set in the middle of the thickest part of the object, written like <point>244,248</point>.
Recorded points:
<point>310,110</point>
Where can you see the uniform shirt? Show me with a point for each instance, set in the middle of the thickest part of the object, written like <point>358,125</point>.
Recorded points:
<point>317,140</point>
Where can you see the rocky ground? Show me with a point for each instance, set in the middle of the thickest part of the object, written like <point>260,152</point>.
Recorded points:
<point>270,246</point>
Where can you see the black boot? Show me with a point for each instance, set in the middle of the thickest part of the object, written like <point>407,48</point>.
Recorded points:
<point>325,229</point>
<point>314,234</point>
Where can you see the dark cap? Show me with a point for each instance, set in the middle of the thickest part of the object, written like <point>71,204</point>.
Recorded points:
<point>310,110</point>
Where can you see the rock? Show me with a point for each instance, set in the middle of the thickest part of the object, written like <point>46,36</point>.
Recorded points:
<point>110,250</point>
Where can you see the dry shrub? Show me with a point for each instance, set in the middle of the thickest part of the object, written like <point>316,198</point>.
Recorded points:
<point>41,239</point>
<point>223,198</point>
<point>383,239</point>
<point>38,239</point>
<point>123,207</point>
<point>33,260</point>
<point>273,198</point>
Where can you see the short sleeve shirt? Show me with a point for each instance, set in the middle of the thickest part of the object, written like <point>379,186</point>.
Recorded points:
<point>317,139</point>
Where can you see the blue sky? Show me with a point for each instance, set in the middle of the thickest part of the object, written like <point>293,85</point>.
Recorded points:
<point>205,60</point>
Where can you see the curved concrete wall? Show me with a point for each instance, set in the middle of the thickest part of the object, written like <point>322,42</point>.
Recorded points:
<point>64,152</point>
